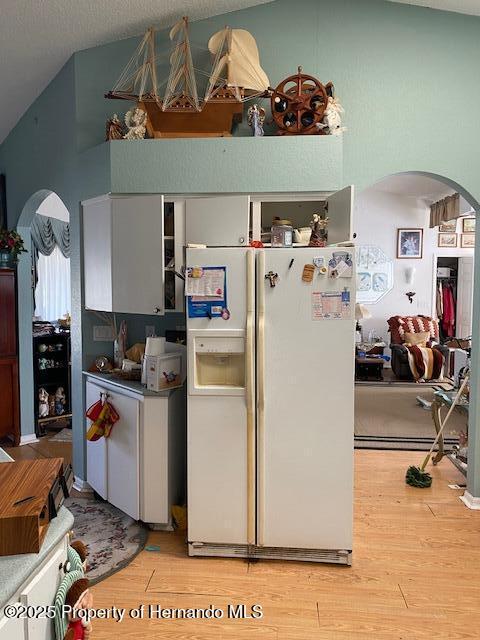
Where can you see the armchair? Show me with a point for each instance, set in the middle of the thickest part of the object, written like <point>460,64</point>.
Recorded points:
<point>398,326</point>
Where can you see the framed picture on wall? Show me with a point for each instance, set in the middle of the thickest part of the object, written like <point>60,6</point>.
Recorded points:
<point>448,227</point>
<point>409,243</point>
<point>447,240</point>
<point>468,225</point>
<point>467,241</point>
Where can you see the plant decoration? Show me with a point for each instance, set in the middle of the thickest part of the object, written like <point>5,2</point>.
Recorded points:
<point>11,243</point>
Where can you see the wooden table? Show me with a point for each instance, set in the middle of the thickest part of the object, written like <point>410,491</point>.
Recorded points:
<point>442,398</point>
<point>366,367</point>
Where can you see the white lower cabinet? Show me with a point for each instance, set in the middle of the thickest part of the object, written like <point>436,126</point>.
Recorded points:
<point>39,591</point>
<point>12,628</point>
<point>140,468</point>
<point>122,447</point>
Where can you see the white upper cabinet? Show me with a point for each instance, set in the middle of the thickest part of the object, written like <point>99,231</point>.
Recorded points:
<point>222,221</point>
<point>123,250</point>
<point>340,212</point>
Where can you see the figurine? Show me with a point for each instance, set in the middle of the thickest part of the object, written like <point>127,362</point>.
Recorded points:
<point>319,235</point>
<point>43,409</point>
<point>135,120</point>
<point>114,129</point>
<point>332,118</point>
<point>51,404</point>
<point>60,401</point>
<point>256,118</point>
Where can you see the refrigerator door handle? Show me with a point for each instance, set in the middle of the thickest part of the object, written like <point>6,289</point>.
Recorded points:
<point>250,396</point>
<point>261,398</point>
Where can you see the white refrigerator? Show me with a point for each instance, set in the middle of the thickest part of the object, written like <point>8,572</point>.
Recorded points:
<point>270,342</point>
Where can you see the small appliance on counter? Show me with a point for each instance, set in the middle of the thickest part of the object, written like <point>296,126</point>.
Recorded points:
<point>163,365</point>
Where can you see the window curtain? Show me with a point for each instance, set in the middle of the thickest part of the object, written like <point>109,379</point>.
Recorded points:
<point>444,210</point>
<point>52,292</point>
<point>48,233</point>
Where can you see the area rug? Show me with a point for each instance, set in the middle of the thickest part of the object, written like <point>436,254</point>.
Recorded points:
<point>113,538</point>
<point>391,418</point>
<point>65,435</point>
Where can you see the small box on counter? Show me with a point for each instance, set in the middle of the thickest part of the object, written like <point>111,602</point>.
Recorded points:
<point>164,371</point>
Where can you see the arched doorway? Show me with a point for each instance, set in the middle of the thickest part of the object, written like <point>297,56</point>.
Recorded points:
<point>44,226</point>
<point>378,220</point>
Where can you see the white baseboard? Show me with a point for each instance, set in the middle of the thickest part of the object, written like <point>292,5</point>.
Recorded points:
<point>81,485</point>
<point>470,501</point>
<point>31,438</point>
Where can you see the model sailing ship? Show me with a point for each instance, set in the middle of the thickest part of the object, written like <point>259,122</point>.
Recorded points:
<point>235,77</point>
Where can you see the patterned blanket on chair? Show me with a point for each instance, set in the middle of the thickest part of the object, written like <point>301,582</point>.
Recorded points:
<point>425,363</point>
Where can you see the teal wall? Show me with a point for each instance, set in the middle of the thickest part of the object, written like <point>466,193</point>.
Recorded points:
<point>402,72</point>
<point>407,76</point>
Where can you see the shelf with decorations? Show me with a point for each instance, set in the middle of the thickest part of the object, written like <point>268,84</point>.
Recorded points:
<point>52,379</point>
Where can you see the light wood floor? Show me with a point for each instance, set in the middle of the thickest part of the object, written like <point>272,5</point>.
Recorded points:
<point>415,573</point>
<point>44,448</point>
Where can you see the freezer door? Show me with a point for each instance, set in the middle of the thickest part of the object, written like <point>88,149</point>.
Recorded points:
<point>305,376</point>
<point>340,212</point>
<point>222,221</point>
<point>221,415</point>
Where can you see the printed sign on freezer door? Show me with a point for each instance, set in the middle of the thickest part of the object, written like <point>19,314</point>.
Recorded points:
<point>206,291</point>
<point>331,305</point>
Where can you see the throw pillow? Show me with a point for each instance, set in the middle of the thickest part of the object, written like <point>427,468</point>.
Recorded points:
<point>417,339</point>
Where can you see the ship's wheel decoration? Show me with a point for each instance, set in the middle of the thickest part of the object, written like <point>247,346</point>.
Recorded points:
<point>299,103</point>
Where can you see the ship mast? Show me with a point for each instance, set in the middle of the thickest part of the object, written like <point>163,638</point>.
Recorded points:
<point>181,91</point>
<point>138,80</point>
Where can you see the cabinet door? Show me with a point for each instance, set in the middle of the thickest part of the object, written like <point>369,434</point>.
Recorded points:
<point>8,317</point>
<point>138,263</point>
<point>41,592</point>
<point>96,451</point>
<point>340,211</point>
<point>9,402</point>
<point>97,254</point>
<point>123,469</point>
<point>465,296</point>
<point>12,628</point>
<point>218,222</point>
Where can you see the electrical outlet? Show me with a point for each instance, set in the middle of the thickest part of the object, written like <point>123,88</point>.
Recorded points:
<point>149,330</point>
<point>102,333</point>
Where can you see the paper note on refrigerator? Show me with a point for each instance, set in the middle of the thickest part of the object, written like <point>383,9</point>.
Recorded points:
<point>210,284</point>
<point>331,305</point>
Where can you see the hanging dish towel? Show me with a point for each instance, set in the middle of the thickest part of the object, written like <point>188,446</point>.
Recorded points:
<point>103,416</point>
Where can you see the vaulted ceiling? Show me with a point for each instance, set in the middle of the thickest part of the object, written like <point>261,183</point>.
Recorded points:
<point>37,38</point>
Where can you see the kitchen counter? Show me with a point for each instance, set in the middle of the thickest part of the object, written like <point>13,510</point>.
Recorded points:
<point>132,386</point>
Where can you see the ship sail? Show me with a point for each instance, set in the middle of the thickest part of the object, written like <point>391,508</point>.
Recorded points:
<point>236,52</point>
<point>181,90</point>
<point>235,76</point>
<point>138,80</point>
